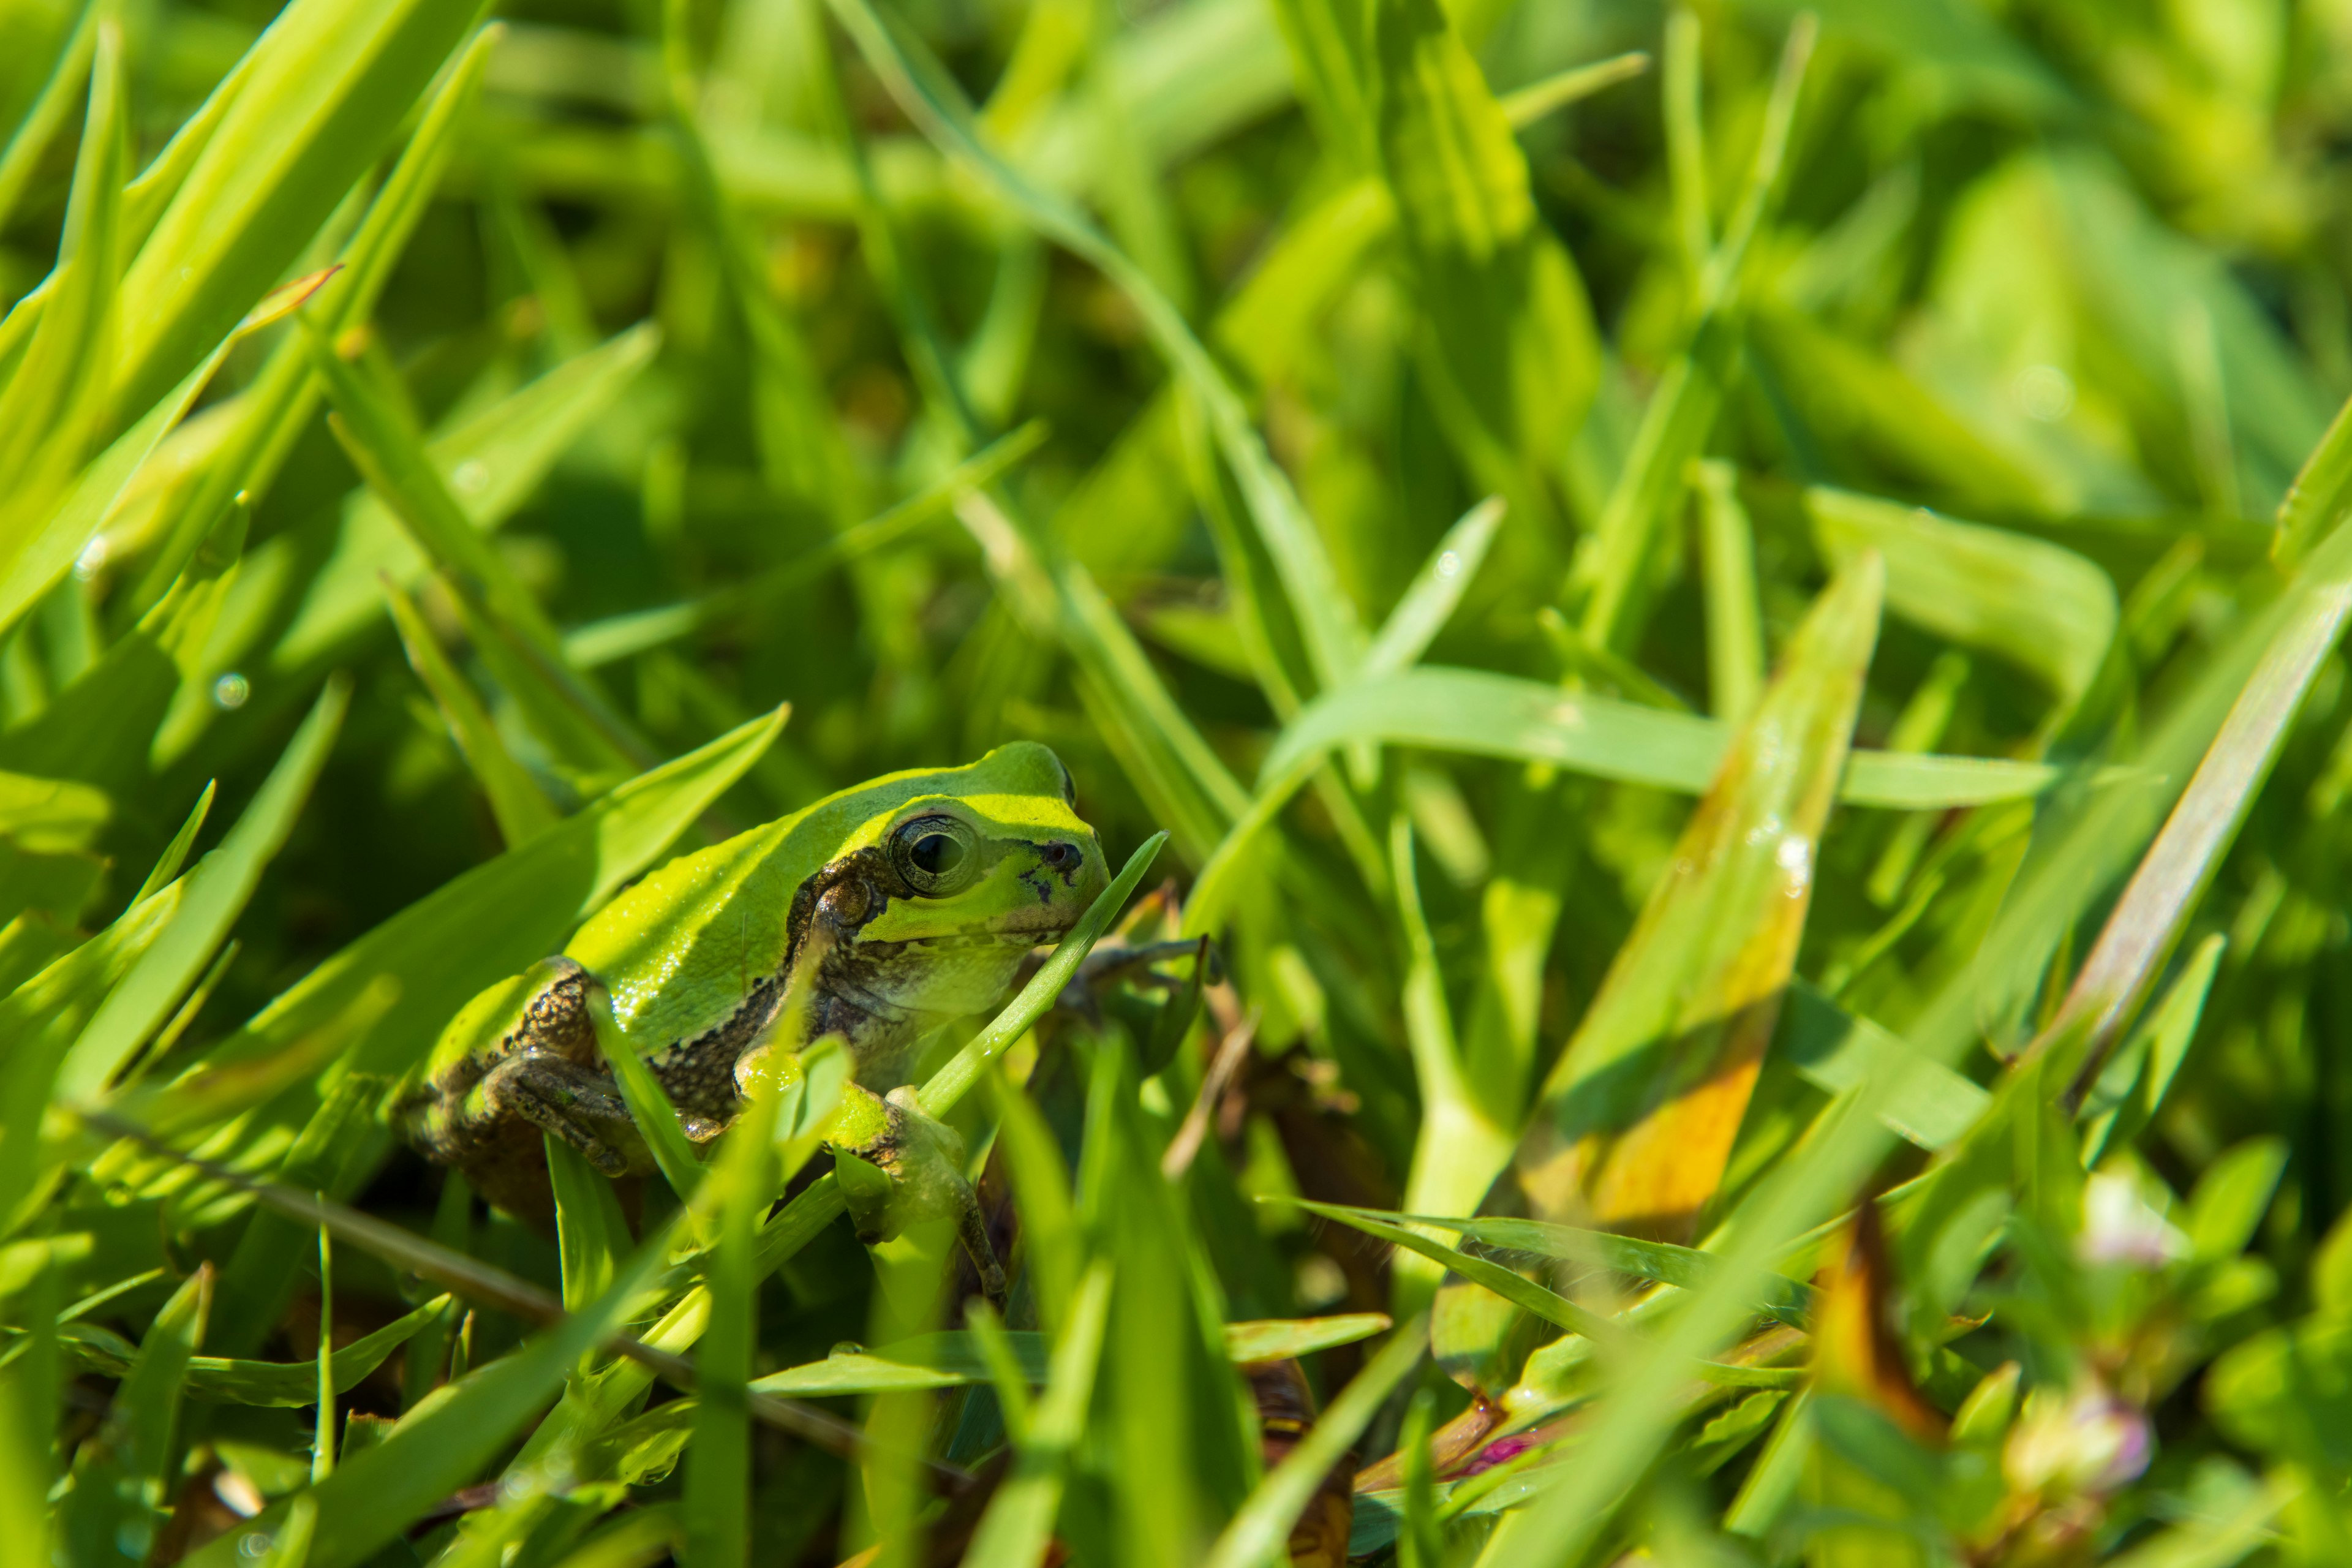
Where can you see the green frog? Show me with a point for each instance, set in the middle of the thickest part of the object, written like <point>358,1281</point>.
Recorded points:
<point>880,914</point>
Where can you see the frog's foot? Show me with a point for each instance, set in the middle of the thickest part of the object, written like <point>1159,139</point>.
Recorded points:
<point>559,1096</point>
<point>905,1165</point>
<point>1115,963</point>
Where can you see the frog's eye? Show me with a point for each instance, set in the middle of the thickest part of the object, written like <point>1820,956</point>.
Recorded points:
<point>936,854</point>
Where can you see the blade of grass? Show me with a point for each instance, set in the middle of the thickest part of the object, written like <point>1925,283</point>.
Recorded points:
<point>2165,889</point>
<point>1324,613</point>
<point>718,1502</point>
<point>1681,412</point>
<point>2037,604</point>
<point>1785,1300</point>
<point>1017,1529</point>
<point>51,401</point>
<point>1735,616</point>
<point>1430,602</point>
<point>523,811</point>
<point>34,133</point>
<point>330,80</point>
<point>1485,714</point>
<point>274,409</point>
<point>215,894</point>
<point>1460,1146</point>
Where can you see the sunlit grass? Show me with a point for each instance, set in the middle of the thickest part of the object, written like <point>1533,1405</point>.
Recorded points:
<point>1711,610</point>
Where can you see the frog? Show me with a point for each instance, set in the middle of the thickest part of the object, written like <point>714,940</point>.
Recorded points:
<point>872,919</point>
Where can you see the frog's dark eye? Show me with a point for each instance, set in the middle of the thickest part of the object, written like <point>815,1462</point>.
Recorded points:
<point>936,854</point>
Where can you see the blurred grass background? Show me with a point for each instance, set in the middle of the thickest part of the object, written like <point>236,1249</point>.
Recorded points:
<point>1387,446</point>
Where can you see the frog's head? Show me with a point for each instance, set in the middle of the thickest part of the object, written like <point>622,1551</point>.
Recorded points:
<point>941,887</point>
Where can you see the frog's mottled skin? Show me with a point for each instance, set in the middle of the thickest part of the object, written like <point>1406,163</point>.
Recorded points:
<point>697,956</point>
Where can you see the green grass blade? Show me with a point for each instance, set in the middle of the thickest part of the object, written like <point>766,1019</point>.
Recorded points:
<point>52,398</point>
<point>521,809</point>
<point>2036,604</point>
<point>1324,613</point>
<point>590,1232</point>
<point>1525,106</point>
<point>272,412</point>
<point>1736,661</point>
<point>718,1502</point>
<point>491,463</point>
<point>1783,1299</point>
<point>1434,593</point>
<point>1461,1144</point>
<point>39,127</point>
<point>2149,918</point>
<point>215,894</point>
<point>288,1385</point>
<point>329,82</point>
<point>1836,1051</point>
<point>649,1103</point>
<point>1018,1526</point>
<point>1487,714</point>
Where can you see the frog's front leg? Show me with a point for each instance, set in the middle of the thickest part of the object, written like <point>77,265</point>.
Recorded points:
<point>897,1164</point>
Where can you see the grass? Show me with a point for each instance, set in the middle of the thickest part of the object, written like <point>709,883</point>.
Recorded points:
<point>1729,618</point>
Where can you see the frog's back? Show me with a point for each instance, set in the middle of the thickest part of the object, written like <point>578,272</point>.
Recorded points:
<point>683,947</point>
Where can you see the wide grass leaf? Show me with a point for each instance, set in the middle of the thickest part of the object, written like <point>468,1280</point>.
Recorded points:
<point>329,82</point>
<point>1635,1122</point>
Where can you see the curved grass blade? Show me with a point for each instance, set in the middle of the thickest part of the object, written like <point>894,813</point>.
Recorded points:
<point>53,395</point>
<point>1487,714</point>
<point>216,892</point>
<point>2038,605</point>
<point>39,126</point>
<point>1785,1300</point>
<point>288,1385</point>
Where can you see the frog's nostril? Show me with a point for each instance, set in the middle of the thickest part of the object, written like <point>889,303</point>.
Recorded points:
<point>1061,857</point>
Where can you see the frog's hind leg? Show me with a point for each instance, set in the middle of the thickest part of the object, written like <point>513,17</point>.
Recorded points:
<point>561,1097</point>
